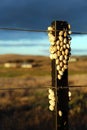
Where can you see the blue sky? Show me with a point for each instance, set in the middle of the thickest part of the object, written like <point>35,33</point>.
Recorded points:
<point>29,44</point>
<point>38,14</point>
<point>79,42</point>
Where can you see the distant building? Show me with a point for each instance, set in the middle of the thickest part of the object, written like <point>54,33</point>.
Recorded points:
<point>10,65</point>
<point>72,59</point>
<point>19,65</point>
<point>26,65</point>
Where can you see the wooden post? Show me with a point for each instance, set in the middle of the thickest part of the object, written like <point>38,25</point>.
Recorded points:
<point>61,86</point>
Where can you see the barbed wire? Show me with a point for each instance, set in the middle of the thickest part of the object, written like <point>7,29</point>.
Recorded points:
<point>21,29</point>
<point>31,30</point>
<point>82,33</point>
<point>61,87</point>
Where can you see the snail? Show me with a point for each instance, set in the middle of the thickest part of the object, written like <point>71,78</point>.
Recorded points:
<point>60,49</point>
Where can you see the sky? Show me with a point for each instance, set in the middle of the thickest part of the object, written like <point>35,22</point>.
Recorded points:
<point>38,15</point>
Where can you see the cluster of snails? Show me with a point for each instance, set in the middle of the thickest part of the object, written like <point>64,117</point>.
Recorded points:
<point>51,98</point>
<point>60,48</point>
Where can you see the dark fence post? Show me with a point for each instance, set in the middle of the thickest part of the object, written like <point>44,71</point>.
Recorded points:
<point>59,73</point>
<point>61,99</point>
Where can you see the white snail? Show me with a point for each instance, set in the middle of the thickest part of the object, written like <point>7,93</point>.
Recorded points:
<point>60,49</point>
<point>51,97</point>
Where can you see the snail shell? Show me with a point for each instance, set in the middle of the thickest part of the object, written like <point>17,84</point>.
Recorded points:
<point>50,28</point>
<point>61,38</point>
<point>58,67</point>
<point>61,33</point>
<point>61,64</point>
<point>65,66</point>
<point>69,26</point>
<point>61,58</point>
<point>57,42</point>
<point>66,51</point>
<point>52,103</point>
<point>61,72</point>
<point>65,34</point>
<point>59,76</point>
<point>65,40</point>
<point>51,108</point>
<point>58,53</point>
<point>61,44</point>
<point>57,61</point>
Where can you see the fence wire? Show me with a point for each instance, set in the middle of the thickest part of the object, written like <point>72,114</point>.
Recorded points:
<point>56,88</point>
<point>24,110</point>
<point>32,30</point>
<point>13,111</point>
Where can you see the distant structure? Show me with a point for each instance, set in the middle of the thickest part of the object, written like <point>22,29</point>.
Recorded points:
<point>15,65</point>
<point>26,65</point>
<point>72,59</point>
<point>10,65</point>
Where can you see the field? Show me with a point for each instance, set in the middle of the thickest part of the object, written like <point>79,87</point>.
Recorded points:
<point>24,106</point>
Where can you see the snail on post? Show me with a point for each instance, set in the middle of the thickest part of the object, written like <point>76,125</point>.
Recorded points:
<point>60,48</point>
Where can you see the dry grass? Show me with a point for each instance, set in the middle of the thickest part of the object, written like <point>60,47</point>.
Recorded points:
<point>29,107</point>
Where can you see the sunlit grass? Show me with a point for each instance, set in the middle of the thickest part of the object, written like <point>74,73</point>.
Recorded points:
<point>76,72</point>
<point>20,72</point>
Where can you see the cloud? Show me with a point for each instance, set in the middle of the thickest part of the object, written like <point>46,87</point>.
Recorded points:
<point>38,14</point>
